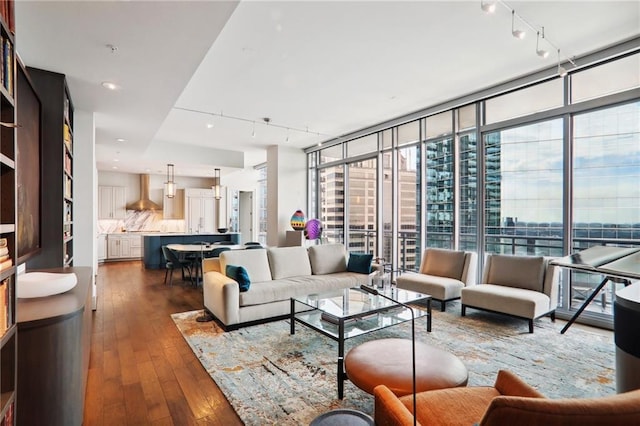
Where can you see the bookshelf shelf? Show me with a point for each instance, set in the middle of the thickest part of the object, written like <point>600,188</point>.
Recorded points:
<point>8,185</point>
<point>6,161</point>
<point>11,331</point>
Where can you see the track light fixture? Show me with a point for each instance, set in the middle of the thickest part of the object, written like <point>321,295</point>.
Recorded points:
<point>519,34</point>
<point>488,6</point>
<point>265,121</point>
<point>170,185</point>
<point>541,52</point>
<point>561,70</point>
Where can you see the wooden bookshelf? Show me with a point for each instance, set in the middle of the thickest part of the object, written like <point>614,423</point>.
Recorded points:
<point>8,185</point>
<point>56,170</point>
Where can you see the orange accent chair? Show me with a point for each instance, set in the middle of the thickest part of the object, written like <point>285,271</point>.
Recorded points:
<point>510,401</point>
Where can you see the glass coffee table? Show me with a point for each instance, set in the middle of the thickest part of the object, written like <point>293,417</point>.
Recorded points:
<point>347,313</point>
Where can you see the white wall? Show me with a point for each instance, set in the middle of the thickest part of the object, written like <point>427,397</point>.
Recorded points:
<point>85,247</point>
<point>286,190</point>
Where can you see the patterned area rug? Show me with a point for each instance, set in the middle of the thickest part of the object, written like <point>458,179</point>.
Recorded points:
<point>271,377</point>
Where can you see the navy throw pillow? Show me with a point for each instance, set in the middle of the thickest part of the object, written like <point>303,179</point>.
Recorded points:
<point>360,263</point>
<point>239,274</point>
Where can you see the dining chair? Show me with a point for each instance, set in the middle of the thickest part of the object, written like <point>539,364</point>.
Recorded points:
<point>173,262</point>
<point>216,251</point>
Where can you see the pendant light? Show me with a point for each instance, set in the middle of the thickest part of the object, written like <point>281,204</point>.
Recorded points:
<point>170,185</point>
<point>216,184</point>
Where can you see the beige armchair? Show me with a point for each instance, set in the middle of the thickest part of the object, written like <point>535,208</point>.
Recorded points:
<point>443,274</point>
<point>521,286</point>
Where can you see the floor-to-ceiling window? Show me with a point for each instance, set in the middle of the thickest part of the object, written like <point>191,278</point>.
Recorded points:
<point>361,216</point>
<point>468,192</point>
<point>262,204</point>
<point>386,188</point>
<point>331,181</point>
<point>547,166</point>
<point>439,181</point>
<point>606,189</point>
<point>409,191</point>
<point>524,189</point>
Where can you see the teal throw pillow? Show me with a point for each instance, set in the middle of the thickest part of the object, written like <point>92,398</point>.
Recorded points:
<point>239,274</point>
<point>360,263</point>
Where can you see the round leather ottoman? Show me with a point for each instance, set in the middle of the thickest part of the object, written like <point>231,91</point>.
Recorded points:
<point>388,362</point>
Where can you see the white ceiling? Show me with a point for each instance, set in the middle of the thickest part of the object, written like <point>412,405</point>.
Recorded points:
<point>331,67</point>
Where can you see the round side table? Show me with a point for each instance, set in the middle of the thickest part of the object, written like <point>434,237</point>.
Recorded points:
<point>343,417</point>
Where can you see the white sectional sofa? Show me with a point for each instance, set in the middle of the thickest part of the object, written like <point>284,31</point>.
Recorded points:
<point>276,275</point>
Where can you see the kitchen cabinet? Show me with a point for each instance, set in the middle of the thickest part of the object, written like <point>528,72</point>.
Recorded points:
<point>124,246</point>
<point>173,208</point>
<point>111,202</point>
<point>102,247</point>
<point>200,210</point>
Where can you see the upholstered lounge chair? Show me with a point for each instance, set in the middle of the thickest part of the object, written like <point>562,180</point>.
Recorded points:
<point>510,401</point>
<point>443,274</point>
<point>521,286</point>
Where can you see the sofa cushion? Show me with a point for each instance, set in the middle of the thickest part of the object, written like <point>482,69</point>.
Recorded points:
<point>327,259</point>
<point>286,288</point>
<point>517,271</point>
<point>440,288</point>
<point>443,263</point>
<point>506,299</point>
<point>288,262</point>
<point>254,261</point>
<point>240,275</point>
<point>360,263</point>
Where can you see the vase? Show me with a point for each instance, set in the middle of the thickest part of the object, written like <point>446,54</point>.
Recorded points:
<point>298,220</point>
<point>313,229</point>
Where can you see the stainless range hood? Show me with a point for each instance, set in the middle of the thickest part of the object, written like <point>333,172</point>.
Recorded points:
<point>144,203</point>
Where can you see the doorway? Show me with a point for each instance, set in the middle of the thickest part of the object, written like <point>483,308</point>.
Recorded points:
<point>245,216</point>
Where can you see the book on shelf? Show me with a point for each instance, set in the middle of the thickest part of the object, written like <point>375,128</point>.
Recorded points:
<point>2,64</point>
<point>7,10</point>
<point>6,264</point>
<point>4,250</point>
<point>10,414</point>
<point>3,242</point>
<point>7,58</point>
<point>608,260</point>
<point>5,305</point>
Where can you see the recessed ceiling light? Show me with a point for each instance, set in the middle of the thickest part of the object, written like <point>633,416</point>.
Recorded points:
<point>109,85</point>
<point>114,167</point>
<point>121,140</point>
<point>209,125</point>
<point>116,160</point>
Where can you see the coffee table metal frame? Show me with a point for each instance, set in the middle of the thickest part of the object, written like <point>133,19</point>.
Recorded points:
<point>352,312</point>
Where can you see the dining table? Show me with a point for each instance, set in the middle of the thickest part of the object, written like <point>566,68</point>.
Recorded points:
<point>199,250</point>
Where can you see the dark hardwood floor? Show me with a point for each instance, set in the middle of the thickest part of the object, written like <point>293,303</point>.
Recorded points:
<point>141,370</point>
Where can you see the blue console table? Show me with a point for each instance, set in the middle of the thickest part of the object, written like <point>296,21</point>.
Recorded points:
<point>153,243</point>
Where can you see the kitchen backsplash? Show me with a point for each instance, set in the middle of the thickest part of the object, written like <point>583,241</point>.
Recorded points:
<point>140,221</point>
